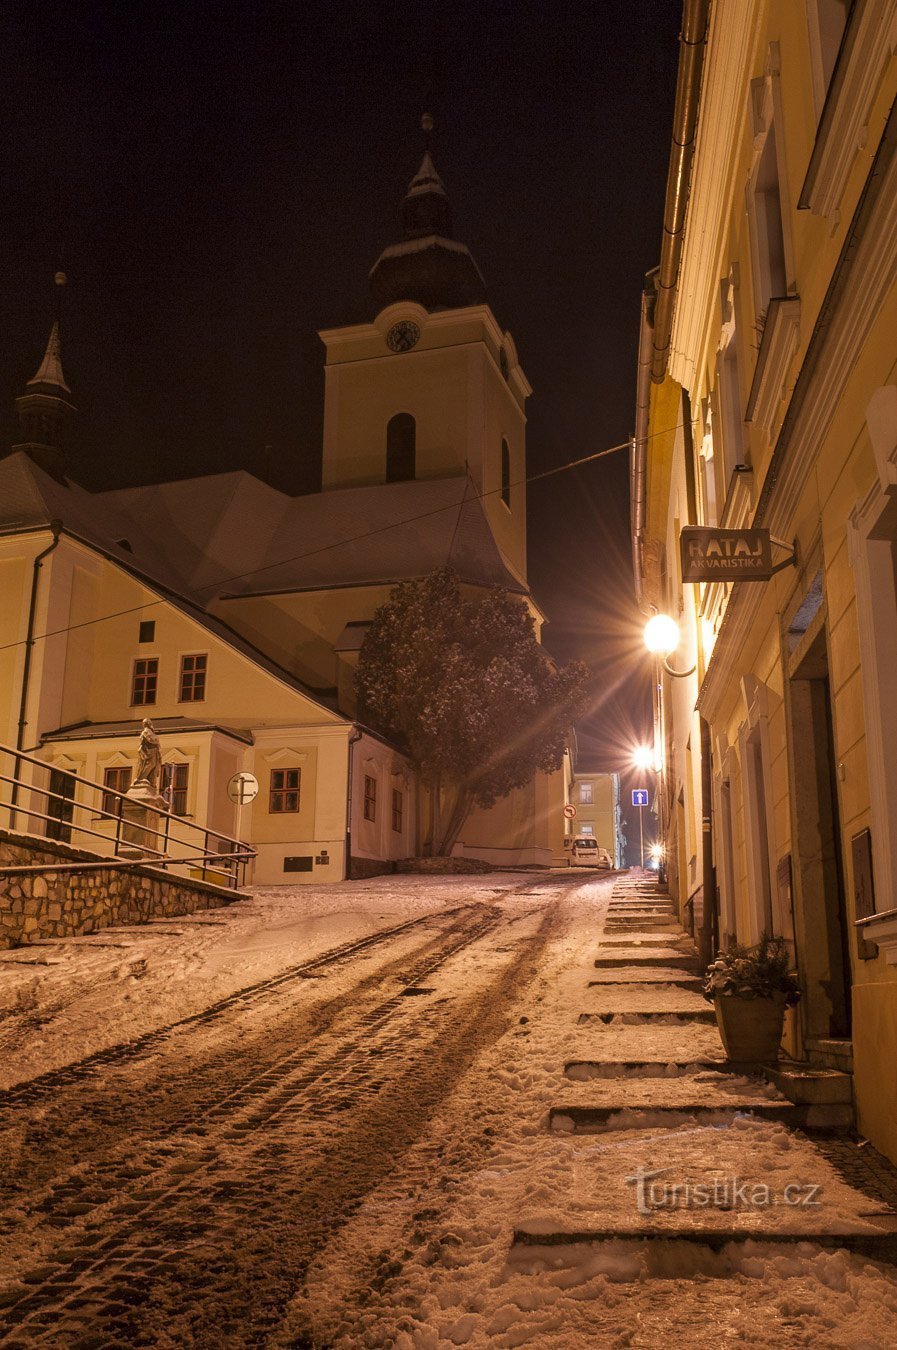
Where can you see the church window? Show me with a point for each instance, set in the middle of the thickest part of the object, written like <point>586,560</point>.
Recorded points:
<point>506,474</point>
<point>370,797</point>
<point>143,685</point>
<point>193,679</point>
<point>398,802</point>
<point>401,444</point>
<point>174,787</point>
<point>284,791</point>
<point>119,780</point>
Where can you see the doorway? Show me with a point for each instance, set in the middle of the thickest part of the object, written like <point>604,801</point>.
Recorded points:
<point>821,918</point>
<point>61,806</point>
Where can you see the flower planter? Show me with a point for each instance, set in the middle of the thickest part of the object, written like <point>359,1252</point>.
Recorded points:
<point>750,1028</point>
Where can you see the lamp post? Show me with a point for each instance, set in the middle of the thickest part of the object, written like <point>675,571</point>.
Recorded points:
<point>662,637</point>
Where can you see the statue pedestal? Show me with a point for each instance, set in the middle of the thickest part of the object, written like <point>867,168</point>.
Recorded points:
<point>140,819</point>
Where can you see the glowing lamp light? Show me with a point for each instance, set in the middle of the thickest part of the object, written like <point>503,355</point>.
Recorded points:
<point>643,757</point>
<point>661,635</point>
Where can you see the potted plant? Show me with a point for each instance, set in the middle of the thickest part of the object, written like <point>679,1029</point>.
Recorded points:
<point>750,988</point>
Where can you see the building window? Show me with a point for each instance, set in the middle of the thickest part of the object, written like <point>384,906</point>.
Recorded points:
<point>826,21</point>
<point>284,791</point>
<point>587,829</point>
<point>767,230</point>
<point>398,804</point>
<point>506,474</point>
<point>585,793</point>
<point>174,787</point>
<point>147,631</point>
<point>119,780</point>
<point>146,676</point>
<point>370,797</point>
<point>401,445</point>
<point>193,679</point>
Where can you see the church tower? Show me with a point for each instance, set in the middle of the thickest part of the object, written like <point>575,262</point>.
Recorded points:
<point>432,388</point>
<point>45,409</point>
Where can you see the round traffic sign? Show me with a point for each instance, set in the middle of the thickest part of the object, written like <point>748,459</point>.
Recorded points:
<point>243,788</point>
<point>569,810</point>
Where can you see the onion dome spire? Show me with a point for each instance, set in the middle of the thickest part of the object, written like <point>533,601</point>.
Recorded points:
<point>45,409</point>
<point>429,265</point>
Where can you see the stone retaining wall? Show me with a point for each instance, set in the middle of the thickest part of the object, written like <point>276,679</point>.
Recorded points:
<point>64,904</point>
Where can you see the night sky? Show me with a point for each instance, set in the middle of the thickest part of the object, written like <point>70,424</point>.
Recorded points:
<point>221,177</point>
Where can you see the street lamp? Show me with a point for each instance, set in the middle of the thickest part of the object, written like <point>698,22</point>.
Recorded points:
<point>662,638</point>
<point>643,757</point>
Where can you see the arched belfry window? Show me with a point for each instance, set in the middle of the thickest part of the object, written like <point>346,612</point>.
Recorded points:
<point>506,474</point>
<point>401,437</point>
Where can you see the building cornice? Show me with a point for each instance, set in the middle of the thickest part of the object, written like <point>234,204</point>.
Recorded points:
<point>735,31</point>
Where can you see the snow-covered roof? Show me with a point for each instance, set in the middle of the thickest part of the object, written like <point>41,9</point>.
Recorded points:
<point>165,726</point>
<point>426,179</point>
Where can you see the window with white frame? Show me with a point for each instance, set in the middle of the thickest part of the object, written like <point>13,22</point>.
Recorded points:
<point>768,226</point>
<point>826,21</point>
<point>585,794</point>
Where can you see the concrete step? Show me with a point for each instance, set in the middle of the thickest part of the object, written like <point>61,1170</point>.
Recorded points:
<point>696,1249</point>
<point>691,982</point>
<point>831,1054</point>
<point>605,1119</point>
<point>690,963</point>
<point>672,1017</point>
<point>809,1085</point>
<point>586,1070</point>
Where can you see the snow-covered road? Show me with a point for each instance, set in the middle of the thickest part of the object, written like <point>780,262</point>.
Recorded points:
<point>356,1117</point>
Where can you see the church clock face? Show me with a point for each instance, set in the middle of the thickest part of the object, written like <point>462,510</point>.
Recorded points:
<point>403,336</point>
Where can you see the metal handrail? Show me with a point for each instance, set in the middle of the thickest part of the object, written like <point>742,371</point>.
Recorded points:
<point>231,856</point>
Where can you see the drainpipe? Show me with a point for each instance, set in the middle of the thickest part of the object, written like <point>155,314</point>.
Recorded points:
<point>692,47</point>
<point>708,936</point>
<point>353,740</point>
<point>56,527</point>
<point>639,454</point>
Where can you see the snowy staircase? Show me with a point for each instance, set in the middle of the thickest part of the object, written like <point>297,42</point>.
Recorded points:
<point>651,1112</point>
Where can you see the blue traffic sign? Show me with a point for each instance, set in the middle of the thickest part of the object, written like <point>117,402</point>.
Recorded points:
<point>639,796</point>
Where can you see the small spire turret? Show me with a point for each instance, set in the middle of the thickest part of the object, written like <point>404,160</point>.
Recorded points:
<point>45,409</point>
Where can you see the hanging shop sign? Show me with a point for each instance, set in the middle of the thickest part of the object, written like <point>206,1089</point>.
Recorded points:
<point>726,555</point>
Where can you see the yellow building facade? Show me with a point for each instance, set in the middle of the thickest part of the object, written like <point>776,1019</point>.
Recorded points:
<point>768,399</point>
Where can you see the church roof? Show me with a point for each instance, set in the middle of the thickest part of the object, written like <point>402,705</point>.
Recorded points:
<point>428,265</point>
<point>228,535</point>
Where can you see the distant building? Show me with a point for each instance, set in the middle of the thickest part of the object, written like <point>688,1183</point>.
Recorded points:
<point>596,798</point>
<point>233,614</point>
<point>767,398</point>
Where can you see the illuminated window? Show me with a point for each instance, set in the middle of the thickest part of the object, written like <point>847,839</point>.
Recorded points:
<point>370,798</point>
<point>119,780</point>
<point>585,793</point>
<point>193,679</point>
<point>506,474</point>
<point>401,438</point>
<point>146,676</point>
<point>398,803</point>
<point>284,791</point>
<point>174,787</point>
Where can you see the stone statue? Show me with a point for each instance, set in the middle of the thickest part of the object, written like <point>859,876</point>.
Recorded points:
<point>149,757</point>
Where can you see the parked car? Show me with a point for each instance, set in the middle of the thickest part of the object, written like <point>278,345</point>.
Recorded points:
<point>585,851</point>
